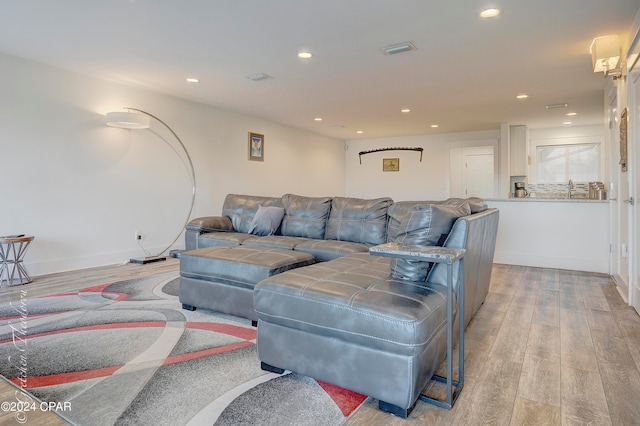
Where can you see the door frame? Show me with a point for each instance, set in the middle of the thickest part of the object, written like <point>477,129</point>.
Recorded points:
<point>620,231</point>
<point>456,165</point>
<point>473,152</point>
<point>633,136</point>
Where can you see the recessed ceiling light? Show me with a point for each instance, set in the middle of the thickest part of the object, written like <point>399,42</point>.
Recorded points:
<point>523,96</point>
<point>318,119</point>
<point>406,110</point>
<point>490,13</point>
<point>571,114</point>
<point>435,126</point>
<point>566,123</point>
<point>192,80</point>
<point>305,55</point>
<point>359,132</point>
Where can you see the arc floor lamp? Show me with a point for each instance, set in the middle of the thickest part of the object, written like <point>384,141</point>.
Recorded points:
<point>133,118</point>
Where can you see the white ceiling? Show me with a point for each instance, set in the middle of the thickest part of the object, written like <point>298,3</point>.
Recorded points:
<point>464,75</point>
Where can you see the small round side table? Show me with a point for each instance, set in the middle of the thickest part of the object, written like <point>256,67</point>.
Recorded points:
<point>12,250</point>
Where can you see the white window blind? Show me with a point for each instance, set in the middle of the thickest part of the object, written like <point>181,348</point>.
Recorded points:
<point>559,163</point>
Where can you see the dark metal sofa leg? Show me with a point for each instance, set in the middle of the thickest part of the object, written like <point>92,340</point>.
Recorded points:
<point>188,307</point>
<point>395,410</point>
<point>254,323</point>
<point>271,368</point>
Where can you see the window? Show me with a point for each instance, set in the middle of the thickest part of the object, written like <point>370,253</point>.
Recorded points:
<point>558,159</point>
<point>559,163</point>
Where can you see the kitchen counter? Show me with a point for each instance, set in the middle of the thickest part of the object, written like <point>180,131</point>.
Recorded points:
<point>553,233</point>
<point>549,200</point>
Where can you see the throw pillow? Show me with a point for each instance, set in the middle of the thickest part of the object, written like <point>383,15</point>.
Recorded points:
<point>266,221</point>
<point>423,225</point>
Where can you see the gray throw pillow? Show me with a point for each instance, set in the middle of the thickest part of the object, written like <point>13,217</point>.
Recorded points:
<point>266,221</point>
<point>423,225</point>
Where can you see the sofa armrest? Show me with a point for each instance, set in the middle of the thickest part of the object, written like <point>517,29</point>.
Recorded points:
<point>210,224</point>
<point>433,254</point>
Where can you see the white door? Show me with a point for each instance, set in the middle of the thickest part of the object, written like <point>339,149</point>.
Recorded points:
<point>633,136</point>
<point>477,174</point>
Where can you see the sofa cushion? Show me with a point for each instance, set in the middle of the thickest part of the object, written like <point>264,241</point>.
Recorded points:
<point>266,221</point>
<point>424,225</point>
<point>239,266</point>
<point>358,220</point>
<point>276,241</point>
<point>354,299</point>
<point>217,239</point>
<point>324,250</point>
<point>477,204</point>
<point>242,208</point>
<point>400,210</point>
<point>305,216</point>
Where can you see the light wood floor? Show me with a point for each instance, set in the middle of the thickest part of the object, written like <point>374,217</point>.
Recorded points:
<point>548,347</point>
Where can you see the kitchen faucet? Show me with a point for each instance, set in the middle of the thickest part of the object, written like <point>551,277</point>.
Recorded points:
<point>570,187</point>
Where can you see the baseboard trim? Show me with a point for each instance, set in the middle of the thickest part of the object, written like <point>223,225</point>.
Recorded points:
<point>573,264</point>
<point>54,266</point>
<point>623,287</point>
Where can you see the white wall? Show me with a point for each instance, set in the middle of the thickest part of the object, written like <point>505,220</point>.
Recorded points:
<point>426,180</point>
<point>82,188</point>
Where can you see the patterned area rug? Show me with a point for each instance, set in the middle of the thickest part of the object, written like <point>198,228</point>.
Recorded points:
<point>126,353</point>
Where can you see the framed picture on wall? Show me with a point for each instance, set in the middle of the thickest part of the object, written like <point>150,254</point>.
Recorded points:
<point>256,147</point>
<point>390,164</point>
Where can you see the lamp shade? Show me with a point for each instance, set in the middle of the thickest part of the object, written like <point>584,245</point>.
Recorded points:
<point>605,53</point>
<point>127,120</point>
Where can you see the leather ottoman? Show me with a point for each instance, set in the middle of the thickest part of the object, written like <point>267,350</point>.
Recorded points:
<point>223,278</point>
<point>349,323</point>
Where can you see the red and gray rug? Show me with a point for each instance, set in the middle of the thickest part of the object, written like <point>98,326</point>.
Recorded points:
<point>126,353</point>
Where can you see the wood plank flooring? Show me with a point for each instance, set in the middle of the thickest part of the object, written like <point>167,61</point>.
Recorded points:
<point>548,347</point>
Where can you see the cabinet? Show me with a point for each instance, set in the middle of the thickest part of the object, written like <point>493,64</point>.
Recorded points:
<point>518,136</point>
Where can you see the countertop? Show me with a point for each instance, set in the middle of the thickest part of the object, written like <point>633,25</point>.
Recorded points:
<point>547,200</point>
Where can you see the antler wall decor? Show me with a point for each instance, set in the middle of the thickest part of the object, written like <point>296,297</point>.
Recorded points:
<point>361,153</point>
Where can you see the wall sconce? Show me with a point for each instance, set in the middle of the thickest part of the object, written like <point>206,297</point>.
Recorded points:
<point>605,56</point>
<point>135,119</point>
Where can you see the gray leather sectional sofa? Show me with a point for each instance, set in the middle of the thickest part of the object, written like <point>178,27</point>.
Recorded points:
<point>325,306</point>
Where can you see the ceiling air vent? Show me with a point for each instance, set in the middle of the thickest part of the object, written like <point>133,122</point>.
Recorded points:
<point>398,48</point>
<point>258,77</point>
<point>554,106</point>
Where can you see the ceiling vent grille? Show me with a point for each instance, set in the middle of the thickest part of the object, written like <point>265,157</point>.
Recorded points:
<point>554,106</point>
<point>258,77</point>
<point>398,48</point>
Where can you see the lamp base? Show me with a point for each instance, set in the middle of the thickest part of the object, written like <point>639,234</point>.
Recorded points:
<point>148,259</point>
